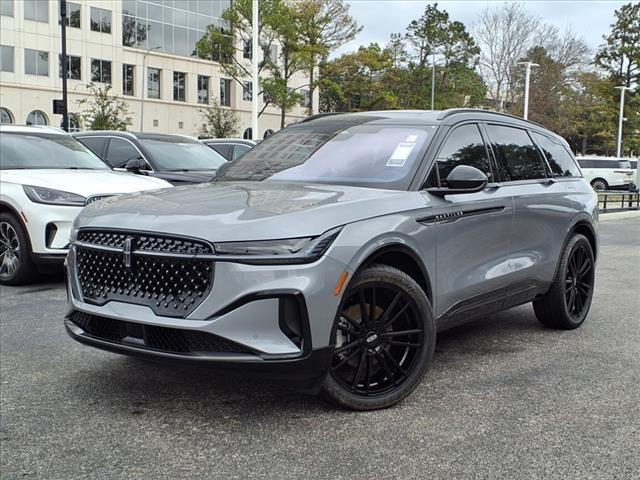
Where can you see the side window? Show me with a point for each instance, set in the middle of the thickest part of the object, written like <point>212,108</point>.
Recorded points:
<point>560,161</point>
<point>120,152</point>
<point>239,150</point>
<point>95,144</point>
<point>518,158</point>
<point>222,149</point>
<point>464,146</point>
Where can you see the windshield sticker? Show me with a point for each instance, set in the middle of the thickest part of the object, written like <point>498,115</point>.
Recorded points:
<point>400,154</point>
<point>412,138</point>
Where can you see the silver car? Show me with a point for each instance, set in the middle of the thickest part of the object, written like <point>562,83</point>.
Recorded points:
<point>333,252</point>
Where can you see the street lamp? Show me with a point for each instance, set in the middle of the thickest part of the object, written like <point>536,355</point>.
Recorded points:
<point>255,25</point>
<point>144,76</point>
<point>528,66</point>
<point>622,89</point>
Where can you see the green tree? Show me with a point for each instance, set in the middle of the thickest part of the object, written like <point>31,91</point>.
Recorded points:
<point>323,25</point>
<point>218,122</point>
<point>104,111</point>
<point>620,55</point>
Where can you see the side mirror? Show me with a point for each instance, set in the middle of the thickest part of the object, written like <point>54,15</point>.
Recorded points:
<point>462,179</point>
<point>136,164</point>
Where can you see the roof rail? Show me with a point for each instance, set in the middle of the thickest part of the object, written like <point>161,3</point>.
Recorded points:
<point>319,115</point>
<point>454,111</point>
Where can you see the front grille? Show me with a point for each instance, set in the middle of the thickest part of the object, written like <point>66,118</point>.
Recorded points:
<point>171,340</point>
<point>170,286</point>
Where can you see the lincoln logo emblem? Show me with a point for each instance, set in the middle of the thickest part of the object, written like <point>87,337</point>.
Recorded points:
<point>128,245</point>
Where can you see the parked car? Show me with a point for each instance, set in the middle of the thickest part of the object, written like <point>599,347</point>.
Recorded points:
<point>47,178</point>
<point>334,251</point>
<point>177,159</point>
<point>604,173</point>
<point>230,148</point>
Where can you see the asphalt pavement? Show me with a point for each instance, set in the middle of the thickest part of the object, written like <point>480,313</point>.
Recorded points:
<point>505,398</point>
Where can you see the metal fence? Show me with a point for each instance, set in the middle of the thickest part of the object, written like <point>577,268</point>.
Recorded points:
<point>617,201</point>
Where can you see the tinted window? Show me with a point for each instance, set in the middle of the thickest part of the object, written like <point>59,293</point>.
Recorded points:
<point>560,161</point>
<point>464,146</point>
<point>376,156</point>
<point>95,144</point>
<point>21,150</point>
<point>120,151</point>
<point>222,149</point>
<point>179,155</point>
<point>633,164</point>
<point>240,150</point>
<point>518,158</point>
<point>624,164</point>
<point>585,163</point>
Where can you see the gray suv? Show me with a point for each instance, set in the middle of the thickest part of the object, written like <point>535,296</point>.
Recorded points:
<point>333,252</point>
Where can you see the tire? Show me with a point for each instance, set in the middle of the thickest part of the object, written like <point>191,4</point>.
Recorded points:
<point>566,305</point>
<point>599,184</point>
<point>392,343</point>
<point>16,266</point>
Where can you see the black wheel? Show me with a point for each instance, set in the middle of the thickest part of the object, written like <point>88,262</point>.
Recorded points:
<point>567,302</point>
<point>15,255</point>
<point>384,340</point>
<point>599,184</point>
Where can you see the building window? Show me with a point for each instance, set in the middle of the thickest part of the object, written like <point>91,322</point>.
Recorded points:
<point>203,89</point>
<point>6,58</point>
<point>247,91</point>
<point>305,101</point>
<point>6,8</point>
<point>36,62</point>
<point>5,116</point>
<point>270,52</point>
<point>74,68</point>
<point>74,122</point>
<point>179,86</point>
<point>37,10</point>
<point>247,49</point>
<point>153,83</point>
<point>225,92</point>
<point>100,20</point>
<point>100,71</point>
<point>37,118</point>
<point>73,14</point>
<point>128,80</point>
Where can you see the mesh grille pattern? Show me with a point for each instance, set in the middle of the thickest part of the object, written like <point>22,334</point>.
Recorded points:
<point>171,287</point>
<point>165,339</point>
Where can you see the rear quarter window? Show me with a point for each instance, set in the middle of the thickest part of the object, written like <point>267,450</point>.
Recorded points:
<point>518,157</point>
<point>558,158</point>
<point>95,144</point>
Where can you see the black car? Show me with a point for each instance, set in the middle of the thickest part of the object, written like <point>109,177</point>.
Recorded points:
<point>230,148</point>
<point>177,159</point>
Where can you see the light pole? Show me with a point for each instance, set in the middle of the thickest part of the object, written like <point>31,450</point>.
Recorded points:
<point>433,80</point>
<point>622,89</point>
<point>527,78</point>
<point>255,22</point>
<point>144,76</point>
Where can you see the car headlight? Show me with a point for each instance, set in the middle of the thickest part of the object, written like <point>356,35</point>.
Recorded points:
<point>291,250</point>
<point>53,197</point>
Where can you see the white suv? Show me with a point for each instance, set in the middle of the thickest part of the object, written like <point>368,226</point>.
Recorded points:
<point>606,172</point>
<point>46,178</point>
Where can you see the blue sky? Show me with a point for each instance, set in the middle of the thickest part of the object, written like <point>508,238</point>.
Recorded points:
<point>590,19</point>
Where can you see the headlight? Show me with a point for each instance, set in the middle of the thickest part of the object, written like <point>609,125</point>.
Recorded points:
<point>293,250</point>
<point>53,197</point>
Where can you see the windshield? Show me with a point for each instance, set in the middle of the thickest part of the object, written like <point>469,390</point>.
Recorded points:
<point>172,156</point>
<point>37,151</point>
<point>377,156</point>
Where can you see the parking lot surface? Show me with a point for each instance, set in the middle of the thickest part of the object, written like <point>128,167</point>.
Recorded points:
<point>505,398</point>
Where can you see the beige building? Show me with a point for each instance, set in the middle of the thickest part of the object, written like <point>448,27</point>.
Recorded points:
<point>140,47</point>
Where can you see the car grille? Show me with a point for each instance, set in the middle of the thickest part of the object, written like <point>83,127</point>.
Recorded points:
<point>171,340</point>
<point>171,285</point>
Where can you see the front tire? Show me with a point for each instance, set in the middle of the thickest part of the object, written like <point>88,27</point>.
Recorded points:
<point>599,184</point>
<point>384,335</point>
<point>16,266</point>
<point>566,305</point>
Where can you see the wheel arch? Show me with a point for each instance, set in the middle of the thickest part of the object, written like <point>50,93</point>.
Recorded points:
<point>584,227</point>
<point>405,259</point>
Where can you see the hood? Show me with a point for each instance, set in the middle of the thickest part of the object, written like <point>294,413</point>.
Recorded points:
<point>84,182</point>
<point>247,210</point>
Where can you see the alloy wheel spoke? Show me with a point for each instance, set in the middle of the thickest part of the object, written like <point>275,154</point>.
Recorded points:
<point>393,362</point>
<point>345,360</point>
<point>347,346</point>
<point>360,370</point>
<point>351,321</point>
<point>404,344</point>
<point>397,315</point>
<point>363,307</point>
<point>385,366</point>
<point>389,310</point>
<point>401,332</point>
<point>347,329</point>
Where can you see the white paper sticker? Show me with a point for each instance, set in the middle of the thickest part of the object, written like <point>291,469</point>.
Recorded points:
<point>411,138</point>
<point>400,154</point>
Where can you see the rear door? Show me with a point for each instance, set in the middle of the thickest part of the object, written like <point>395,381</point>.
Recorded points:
<point>473,232</point>
<point>543,210</point>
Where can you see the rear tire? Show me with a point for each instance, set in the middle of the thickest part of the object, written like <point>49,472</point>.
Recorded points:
<point>599,184</point>
<point>16,266</point>
<point>385,335</point>
<point>566,305</point>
